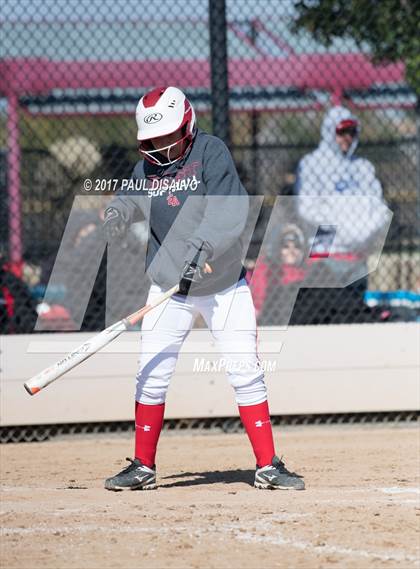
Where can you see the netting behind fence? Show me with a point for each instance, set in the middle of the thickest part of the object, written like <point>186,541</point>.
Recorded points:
<point>71,76</point>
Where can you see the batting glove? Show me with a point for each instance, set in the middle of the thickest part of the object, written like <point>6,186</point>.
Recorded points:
<point>115,226</point>
<point>191,273</point>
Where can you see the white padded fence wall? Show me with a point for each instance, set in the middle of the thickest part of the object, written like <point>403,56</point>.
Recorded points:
<point>310,369</point>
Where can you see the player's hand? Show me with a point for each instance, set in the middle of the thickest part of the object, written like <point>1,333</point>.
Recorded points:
<point>115,226</point>
<point>192,273</point>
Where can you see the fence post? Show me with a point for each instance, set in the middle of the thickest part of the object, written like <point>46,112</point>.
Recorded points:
<point>417,115</point>
<point>13,180</point>
<point>219,70</point>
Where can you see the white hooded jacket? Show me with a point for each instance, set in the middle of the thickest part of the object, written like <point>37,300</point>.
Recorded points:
<point>326,175</point>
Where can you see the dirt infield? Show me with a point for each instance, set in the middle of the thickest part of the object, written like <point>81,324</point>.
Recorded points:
<point>361,507</point>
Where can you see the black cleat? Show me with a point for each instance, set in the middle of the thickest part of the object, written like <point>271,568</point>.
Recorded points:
<point>275,476</point>
<point>136,476</point>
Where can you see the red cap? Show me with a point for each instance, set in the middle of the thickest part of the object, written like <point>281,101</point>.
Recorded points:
<point>346,124</point>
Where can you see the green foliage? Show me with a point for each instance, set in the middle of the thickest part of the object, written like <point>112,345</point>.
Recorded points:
<point>390,28</point>
<point>40,131</point>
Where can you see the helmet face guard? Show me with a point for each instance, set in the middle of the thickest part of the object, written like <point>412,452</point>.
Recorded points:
<point>162,156</point>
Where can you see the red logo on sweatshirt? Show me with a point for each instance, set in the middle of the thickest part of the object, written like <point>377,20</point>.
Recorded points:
<point>172,200</point>
<point>187,171</point>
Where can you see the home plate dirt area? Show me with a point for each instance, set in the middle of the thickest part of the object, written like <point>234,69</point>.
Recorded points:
<point>361,507</point>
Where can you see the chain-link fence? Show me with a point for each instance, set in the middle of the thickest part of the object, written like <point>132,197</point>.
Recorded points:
<point>301,119</point>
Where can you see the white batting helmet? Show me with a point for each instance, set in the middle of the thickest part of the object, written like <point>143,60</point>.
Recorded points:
<point>159,113</point>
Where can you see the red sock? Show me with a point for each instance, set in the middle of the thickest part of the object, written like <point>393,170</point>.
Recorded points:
<point>256,420</point>
<point>149,422</point>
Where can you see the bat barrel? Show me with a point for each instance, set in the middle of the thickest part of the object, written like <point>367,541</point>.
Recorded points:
<point>80,354</point>
<point>73,359</point>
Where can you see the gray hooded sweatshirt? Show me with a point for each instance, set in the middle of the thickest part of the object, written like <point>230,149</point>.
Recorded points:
<point>197,210</point>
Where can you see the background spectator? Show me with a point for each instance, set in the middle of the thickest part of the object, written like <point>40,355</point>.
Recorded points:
<point>332,171</point>
<point>17,307</point>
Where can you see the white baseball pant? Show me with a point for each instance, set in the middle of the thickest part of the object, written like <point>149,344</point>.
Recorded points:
<point>230,316</point>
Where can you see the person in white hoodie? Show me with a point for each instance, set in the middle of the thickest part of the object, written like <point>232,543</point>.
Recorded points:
<point>344,229</point>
